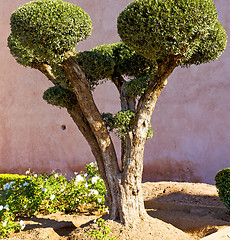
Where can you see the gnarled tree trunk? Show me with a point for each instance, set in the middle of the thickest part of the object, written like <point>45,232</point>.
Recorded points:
<point>124,193</point>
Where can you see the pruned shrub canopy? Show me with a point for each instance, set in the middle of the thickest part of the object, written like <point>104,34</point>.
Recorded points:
<point>158,29</point>
<point>44,30</point>
<point>60,97</point>
<point>111,60</point>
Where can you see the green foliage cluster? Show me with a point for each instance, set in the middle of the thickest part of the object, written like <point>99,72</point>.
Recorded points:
<point>45,30</point>
<point>209,48</point>
<point>127,62</point>
<point>106,61</point>
<point>137,86</point>
<point>158,29</point>
<point>120,121</point>
<point>59,96</point>
<point>113,60</point>
<point>96,66</point>
<point>29,195</point>
<point>5,178</point>
<point>101,232</point>
<point>223,185</point>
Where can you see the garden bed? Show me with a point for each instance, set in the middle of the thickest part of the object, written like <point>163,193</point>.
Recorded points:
<point>192,211</point>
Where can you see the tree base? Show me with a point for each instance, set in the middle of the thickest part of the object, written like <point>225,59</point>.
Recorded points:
<point>148,229</point>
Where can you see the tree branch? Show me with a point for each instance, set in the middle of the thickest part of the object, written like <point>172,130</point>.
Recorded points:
<point>143,115</point>
<point>81,88</point>
<point>82,124</point>
<point>45,69</point>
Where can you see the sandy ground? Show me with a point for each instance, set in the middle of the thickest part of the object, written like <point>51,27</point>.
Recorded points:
<point>177,211</point>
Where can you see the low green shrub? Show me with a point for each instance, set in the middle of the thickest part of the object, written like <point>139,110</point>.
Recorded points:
<point>223,185</point>
<point>4,178</point>
<point>28,195</point>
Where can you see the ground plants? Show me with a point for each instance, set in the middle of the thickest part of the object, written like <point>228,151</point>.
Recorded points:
<point>157,37</point>
<point>102,231</point>
<point>33,193</point>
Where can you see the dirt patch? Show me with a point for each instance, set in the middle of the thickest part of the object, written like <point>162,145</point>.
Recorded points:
<point>178,211</point>
<point>194,208</point>
<point>180,192</point>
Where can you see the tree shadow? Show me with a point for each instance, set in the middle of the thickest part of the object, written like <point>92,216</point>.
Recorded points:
<point>62,228</point>
<point>202,214</point>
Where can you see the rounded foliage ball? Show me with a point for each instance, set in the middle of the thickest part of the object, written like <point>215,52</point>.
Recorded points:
<point>59,96</point>
<point>127,61</point>
<point>44,30</point>
<point>158,29</point>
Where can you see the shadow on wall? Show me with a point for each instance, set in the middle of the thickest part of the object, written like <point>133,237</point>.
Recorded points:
<point>171,170</point>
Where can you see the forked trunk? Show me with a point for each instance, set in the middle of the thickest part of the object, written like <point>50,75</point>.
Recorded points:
<point>130,205</point>
<point>124,193</point>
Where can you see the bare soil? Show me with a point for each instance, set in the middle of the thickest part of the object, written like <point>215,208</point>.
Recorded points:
<point>177,211</point>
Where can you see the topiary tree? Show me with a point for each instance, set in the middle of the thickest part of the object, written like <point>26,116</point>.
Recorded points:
<point>157,36</point>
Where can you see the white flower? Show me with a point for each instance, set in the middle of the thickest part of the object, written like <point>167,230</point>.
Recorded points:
<point>93,164</point>
<point>7,207</point>
<point>86,185</point>
<point>99,200</point>
<point>62,189</point>
<point>4,223</point>
<point>1,208</point>
<point>25,206</point>
<point>56,175</point>
<point>52,197</point>
<point>7,186</point>
<point>27,172</point>
<point>22,225</point>
<point>35,175</point>
<point>79,178</point>
<point>75,173</point>
<point>94,179</point>
<point>25,184</point>
<point>94,192</point>
<point>44,190</point>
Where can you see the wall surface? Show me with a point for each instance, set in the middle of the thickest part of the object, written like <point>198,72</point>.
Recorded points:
<point>191,121</point>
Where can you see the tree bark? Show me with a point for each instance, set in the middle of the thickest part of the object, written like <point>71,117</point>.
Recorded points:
<point>132,205</point>
<point>82,124</point>
<point>124,188</point>
<point>124,193</point>
<point>97,126</point>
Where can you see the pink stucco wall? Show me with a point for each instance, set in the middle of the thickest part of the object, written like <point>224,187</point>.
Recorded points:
<point>191,122</point>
